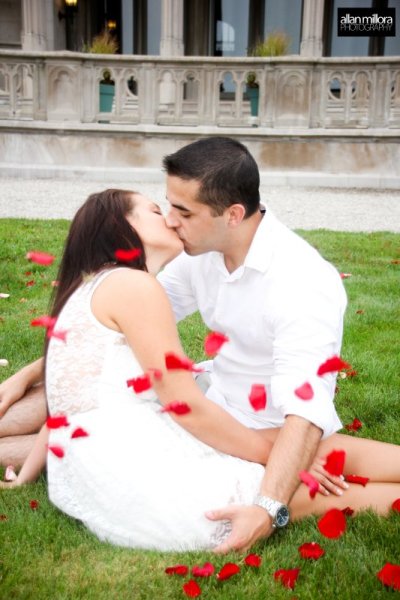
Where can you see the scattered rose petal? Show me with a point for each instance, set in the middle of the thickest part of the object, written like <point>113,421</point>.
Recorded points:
<point>359,312</point>
<point>335,363</point>
<point>287,577</point>
<point>332,524</point>
<point>44,321</point>
<point>3,517</point>
<point>357,479</point>
<point>2,295</point>
<point>253,560</point>
<point>395,261</point>
<point>30,283</point>
<point>173,362</point>
<point>335,462</point>
<point>351,373</point>
<point>4,362</point>
<point>157,373</point>
<point>311,550</point>
<point>140,384</point>
<point>127,255</point>
<point>10,474</point>
<point>348,512</point>
<point>258,396</point>
<point>310,482</point>
<point>345,275</point>
<point>55,283</point>
<point>78,433</point>
<point>60,334</point>
<point>389,575</point>
<point>227,571</point>
<point>57,451</point>
<point>205,571</point>
<point>305,391</point>
<point>177,570</point>
<point>213,342</point>
<point>191,588</point>
<point>179,408</point>
<point>396,505</point>
<point>41,258</point>
<point>33,504</point>
<point>355,425</point>
<point>57,421</point>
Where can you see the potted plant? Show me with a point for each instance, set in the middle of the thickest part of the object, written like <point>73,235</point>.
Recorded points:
<point>275,44</point>
<point>105,43</point>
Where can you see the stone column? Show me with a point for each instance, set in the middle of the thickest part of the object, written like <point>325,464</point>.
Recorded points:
<point>34,25</point>
<point>312,30</point>
<point>171,43</point>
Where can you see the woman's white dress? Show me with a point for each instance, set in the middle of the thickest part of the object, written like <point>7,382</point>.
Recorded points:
<point>138,479</point>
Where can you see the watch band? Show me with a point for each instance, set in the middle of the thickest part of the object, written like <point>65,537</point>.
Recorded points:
<point>273,507</point>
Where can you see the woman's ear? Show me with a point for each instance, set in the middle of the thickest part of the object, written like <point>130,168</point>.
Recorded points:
<point>236,214</point>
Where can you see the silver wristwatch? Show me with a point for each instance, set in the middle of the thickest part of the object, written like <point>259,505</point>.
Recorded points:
<point>278,511</point>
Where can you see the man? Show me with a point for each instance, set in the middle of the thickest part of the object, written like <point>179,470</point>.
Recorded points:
<point>279,303</point>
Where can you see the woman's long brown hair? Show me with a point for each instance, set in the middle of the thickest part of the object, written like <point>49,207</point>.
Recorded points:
<point>98,229</point>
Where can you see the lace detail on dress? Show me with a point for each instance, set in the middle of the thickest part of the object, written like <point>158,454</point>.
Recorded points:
<point>82,360</point>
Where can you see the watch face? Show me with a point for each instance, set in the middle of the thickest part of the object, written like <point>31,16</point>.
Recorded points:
<point>282,516</point>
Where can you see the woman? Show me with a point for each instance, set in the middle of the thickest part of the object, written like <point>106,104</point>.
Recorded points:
<point>134,474</point>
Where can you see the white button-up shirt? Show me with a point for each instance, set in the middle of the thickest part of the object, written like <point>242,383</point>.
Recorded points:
<point>282,311</point>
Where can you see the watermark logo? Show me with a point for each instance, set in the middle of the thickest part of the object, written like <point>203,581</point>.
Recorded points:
<point>366,22</point>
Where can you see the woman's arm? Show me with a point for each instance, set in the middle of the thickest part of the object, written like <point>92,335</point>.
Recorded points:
<point>135,303</point>
<point>14,388</point>
<point>35,462</point>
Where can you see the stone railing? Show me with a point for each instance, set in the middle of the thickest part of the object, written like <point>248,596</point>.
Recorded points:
<point>294,92</point>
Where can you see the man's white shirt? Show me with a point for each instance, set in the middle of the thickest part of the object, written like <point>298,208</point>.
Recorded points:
<point>282,311</point>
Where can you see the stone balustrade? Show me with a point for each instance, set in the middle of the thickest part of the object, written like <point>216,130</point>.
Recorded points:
<point>294,92</point>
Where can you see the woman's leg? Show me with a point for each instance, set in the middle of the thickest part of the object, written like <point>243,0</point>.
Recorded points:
<point>25,416</point>
<point>377,496</point>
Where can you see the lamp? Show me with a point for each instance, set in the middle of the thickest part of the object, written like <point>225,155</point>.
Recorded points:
<point>70,7</point>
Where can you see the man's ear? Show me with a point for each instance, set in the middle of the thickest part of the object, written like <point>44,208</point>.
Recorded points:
<point>236,214</point>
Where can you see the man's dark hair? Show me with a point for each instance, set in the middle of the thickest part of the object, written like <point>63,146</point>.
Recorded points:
<point>226,170</point>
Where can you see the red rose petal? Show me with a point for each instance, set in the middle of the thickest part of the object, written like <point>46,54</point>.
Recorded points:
<point>191,588</point>
<point>348,512</point>
<point>354,426</point>
<point>389,575</point>
<point>345,275</point>
<point>335,363</point>
<point>305,391</point>
<point>396,505</point>
<point>287,577</point>
<point>179,408</point>
<point>33,504</point>
<point>44,321</point>
<point>335,462</point>
<point>213,342</point>
<point>127,255</point>
<point>140,384</point>
<point>258,396</point>
<point>311,550</point>
<point>253,560</point>
<point>60,334</point>
<point>78,433</point>
<point>174,362</point>
<point>357,479</point>
<point>30,283</point>
<point>310,482</point>
<point>205,571</point>
<point>41,258</point>
<point>227,571</point>
<point>333,524</point>
<point>177,570</point>
<point>57,421</point>
<point>57,451</point>
<point>351,373</point>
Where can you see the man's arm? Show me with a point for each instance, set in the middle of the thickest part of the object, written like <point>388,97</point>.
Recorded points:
<point>292,452</point>
<point>14,388</point>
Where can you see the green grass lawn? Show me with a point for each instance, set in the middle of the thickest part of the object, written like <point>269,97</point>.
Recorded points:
<point>48,556</point>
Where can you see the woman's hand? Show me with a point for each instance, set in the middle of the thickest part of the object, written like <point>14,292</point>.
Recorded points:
<point>328,483</point>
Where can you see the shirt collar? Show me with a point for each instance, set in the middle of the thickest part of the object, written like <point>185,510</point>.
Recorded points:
<point>260,252</point>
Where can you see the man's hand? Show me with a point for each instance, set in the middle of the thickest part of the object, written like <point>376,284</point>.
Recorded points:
<point>328,483</point>
<point>249,524</point>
